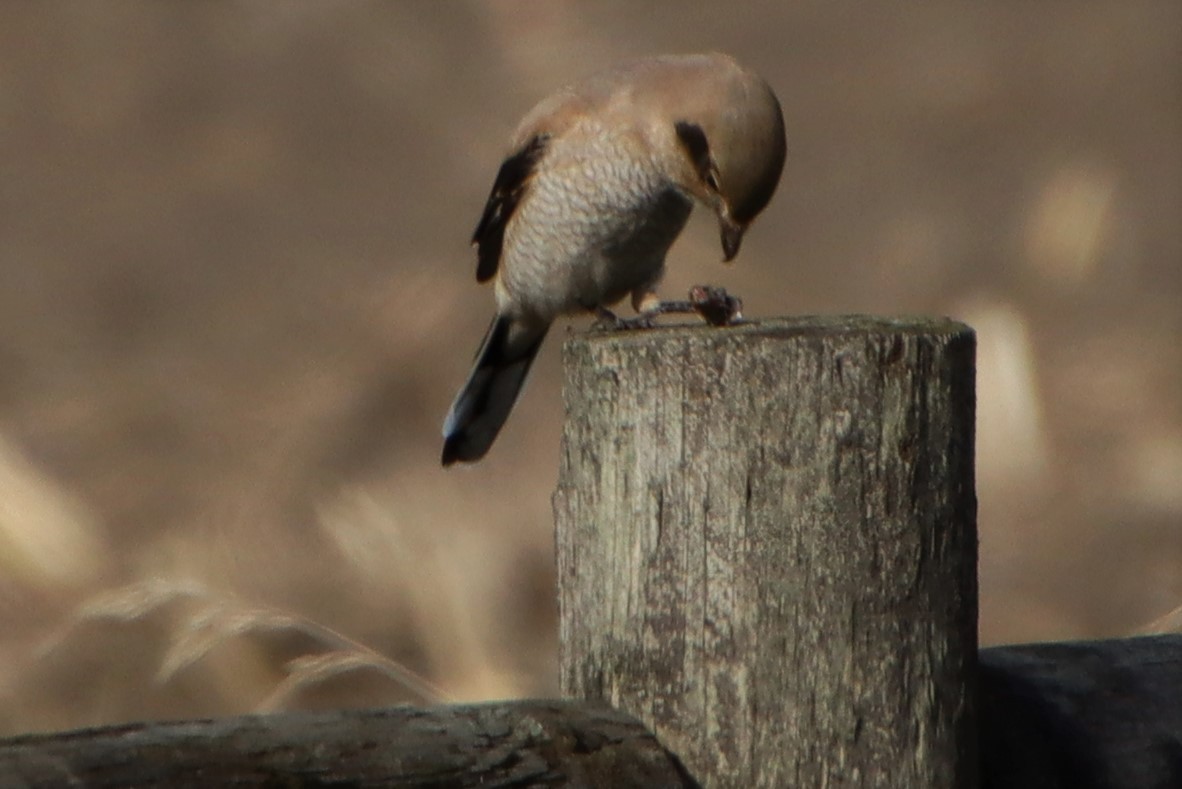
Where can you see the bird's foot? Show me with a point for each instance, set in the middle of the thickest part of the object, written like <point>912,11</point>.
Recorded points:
<point>714,305</point>
<point>606,320</point>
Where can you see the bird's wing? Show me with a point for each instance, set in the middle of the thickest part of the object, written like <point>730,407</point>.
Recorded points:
<point>508,189</point>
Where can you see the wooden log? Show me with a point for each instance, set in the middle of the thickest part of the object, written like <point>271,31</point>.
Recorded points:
<point>530,743</point>
<point>1083,715</point>
<point>767,549</point>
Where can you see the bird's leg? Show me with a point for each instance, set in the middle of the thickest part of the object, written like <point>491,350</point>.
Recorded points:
<point>714,305</point>
<point>642,302</point>
<point>649,306</point>
<point>605,319</point>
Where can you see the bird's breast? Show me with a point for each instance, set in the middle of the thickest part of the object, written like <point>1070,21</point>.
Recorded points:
<point>595,224</point>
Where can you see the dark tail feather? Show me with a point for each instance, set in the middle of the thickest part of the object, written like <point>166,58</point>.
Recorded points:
<point>484,403</point>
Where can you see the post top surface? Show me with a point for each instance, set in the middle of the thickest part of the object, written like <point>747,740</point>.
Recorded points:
<point>783,327</point>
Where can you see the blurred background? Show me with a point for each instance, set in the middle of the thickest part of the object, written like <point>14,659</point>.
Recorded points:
<point>236,298</point>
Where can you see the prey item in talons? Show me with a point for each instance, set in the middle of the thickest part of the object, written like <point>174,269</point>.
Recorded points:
<point>715,305</point>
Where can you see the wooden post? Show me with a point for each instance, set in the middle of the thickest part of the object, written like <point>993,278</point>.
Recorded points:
<point>766,541</point>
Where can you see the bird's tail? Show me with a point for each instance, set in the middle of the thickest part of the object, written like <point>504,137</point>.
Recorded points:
<point>487,397</point>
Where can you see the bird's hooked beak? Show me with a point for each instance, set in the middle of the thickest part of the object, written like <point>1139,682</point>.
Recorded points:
<point>732,237</point>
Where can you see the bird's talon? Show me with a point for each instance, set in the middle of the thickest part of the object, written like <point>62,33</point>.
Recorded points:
<point>605,320</point>
<point>643,321</point>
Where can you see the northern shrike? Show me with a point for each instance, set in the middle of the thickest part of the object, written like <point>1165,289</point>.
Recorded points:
<point>600,180</point>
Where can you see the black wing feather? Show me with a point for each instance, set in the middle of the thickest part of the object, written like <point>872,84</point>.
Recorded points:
<point>507,191</point>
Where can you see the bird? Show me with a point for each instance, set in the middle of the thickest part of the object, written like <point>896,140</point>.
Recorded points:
<point>600,179</point>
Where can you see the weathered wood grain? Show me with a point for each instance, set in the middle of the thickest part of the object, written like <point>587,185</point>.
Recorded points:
<point>515,744</point>
<point>767,548</point>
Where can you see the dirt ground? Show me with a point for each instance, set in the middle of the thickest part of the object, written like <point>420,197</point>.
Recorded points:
<point>237,297</point>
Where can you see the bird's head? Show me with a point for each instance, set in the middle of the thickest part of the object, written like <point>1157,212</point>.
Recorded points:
<point>730,134</point>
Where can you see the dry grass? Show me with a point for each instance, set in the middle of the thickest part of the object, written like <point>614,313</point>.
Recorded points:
<point>210,619</point>
<point>1167,623</point>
